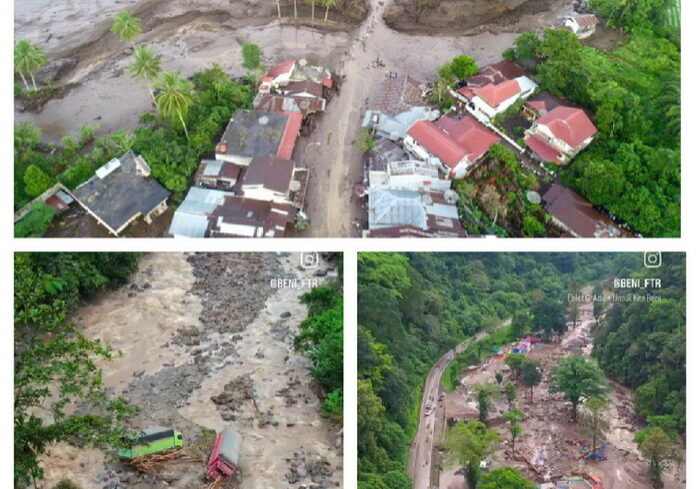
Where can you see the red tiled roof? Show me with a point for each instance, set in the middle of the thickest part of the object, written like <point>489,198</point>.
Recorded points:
<point>494,95</point>
<point>452,140</point>
<point>57,203</point>
<point>281,69</point>
<point>569,124</point>
<point>540,146</point>
<point>289,138</point>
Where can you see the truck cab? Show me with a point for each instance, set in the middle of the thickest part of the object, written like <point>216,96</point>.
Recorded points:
<point>223,461</point>
<point>149,441</point>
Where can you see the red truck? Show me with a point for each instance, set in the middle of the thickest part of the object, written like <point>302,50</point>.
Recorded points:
<point>223,461</point>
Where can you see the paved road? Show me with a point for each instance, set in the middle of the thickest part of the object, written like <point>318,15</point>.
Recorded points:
<point>420,458</point>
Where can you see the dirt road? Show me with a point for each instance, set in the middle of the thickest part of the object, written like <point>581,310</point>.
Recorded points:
<point>420,460</point>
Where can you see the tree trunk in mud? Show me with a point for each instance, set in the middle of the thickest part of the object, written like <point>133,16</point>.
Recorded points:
<point>313,11</point>
<point>295,10</point>
<point>279,10</point>
<point>33,81</point>
<point>325,18</point>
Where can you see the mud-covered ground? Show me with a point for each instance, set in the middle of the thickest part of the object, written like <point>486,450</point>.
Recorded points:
<point>462,17</point>
<point>206,342</point>
<point>550,441</point>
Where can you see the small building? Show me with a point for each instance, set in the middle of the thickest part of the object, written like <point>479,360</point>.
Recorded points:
<point>217,174</point>
<point>454,144</point>
<point>121,192</point>
<point>256,133</point>
<point>295,71</point>
<point>407,213</point>
<point>273,179</point>
<point>397,94</point>
<point>541,104</point>
<point>560,135</point>
<point>269,102</point>
<point>583,25</point>
<point>60,201</point>
<point>395,126</point>
<point>577,217</point>
<point>488,100</point>
<point>409,175</point>
<point>216,213</point>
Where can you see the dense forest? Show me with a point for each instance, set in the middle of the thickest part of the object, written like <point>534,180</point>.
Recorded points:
<point>632,168</point>
<point>321,338</point>
<point>642,345</point>
<point>50,352</point>
<point>414,307</point>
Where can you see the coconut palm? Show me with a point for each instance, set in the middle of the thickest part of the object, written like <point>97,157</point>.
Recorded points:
<point>313,9</point>
<point>175,97</point>
<point>328,4</point>
<point>146,66</point>
<point>127,27</point>
<point>28,59</point>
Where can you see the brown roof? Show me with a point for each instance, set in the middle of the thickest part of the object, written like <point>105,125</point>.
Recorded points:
<point>286,103</point>
<point>578,214</point>
<point>224,169</point>
<point>271,172</point>
<point>267,218</point>
<point>396,95</point>
<point>544,102</point>
<point>384,152</point>
<point>495,73</point>
<point>292,88</point>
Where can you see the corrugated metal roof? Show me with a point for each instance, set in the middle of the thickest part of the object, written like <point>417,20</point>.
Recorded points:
<point>212,168</point>
<point>202,200</point>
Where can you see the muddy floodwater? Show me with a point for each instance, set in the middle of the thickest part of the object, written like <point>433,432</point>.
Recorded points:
<point>206,341</point>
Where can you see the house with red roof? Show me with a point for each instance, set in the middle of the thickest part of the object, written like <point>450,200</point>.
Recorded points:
<point>455,145</point>
<point>494,90</point>
<point>560,134</point>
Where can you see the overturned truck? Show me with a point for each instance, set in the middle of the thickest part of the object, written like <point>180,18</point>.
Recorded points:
<point>223,461</point>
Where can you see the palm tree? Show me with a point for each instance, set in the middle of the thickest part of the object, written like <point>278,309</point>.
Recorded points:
<point>127,27</point>
<point>328,4</point>
<point>295,10</point>
<point>279,10</point>
<point>175,97</point>
<point>313,9</point>
<point>28,59</point>
<point>146,66</point>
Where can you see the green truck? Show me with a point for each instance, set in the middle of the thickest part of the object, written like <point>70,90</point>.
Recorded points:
<point>150,441</point>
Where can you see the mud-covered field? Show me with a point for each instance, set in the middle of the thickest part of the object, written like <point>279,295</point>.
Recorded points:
<point>461,17</point>
<point>206,342</point>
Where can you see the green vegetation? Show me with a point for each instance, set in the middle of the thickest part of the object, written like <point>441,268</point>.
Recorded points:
<point>127,27</point>
<point>643,345</point>
<point>633,165</point>
<point>460,68</point>
<point>578,378</point>
<point>55,365</point>
<point>321,338</point>
<point>364,141</point>
<point>469,443</point>
<point>146,66</point>
<point>36,222</point>
<point>251,55</point>
<point>506,478</point>
<point>493,200</point>
<point>660,450</point>
<point>514,428</point>
<point>414,307</point>
<point>203,105</point>
<point>28,59</point>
